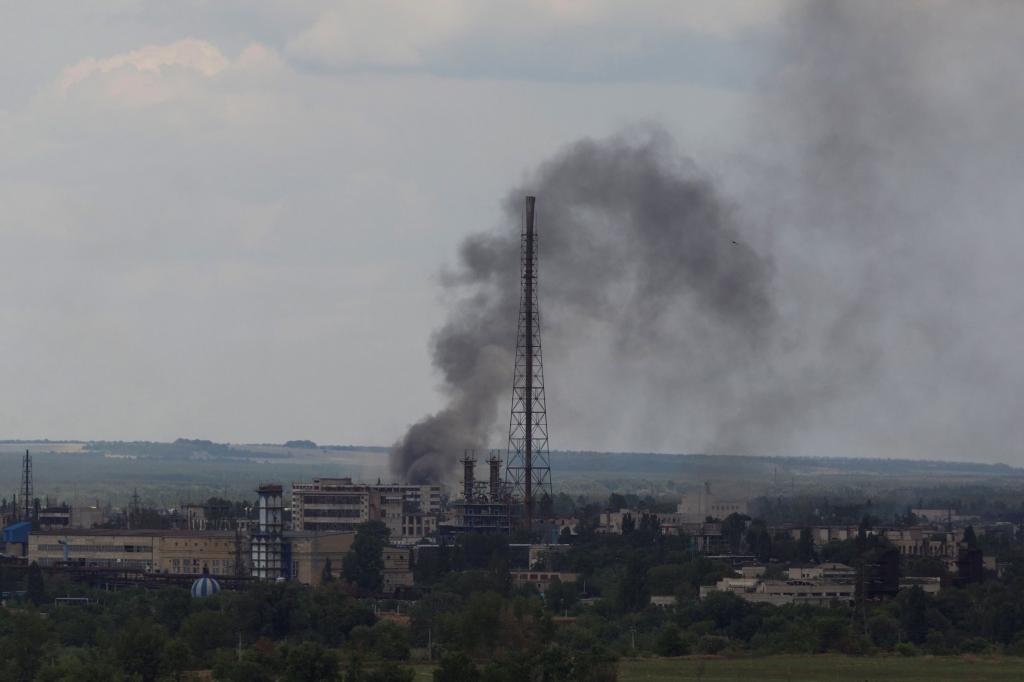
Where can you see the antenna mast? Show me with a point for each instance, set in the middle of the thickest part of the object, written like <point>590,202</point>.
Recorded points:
<point>529,469</point>
<point>26,488</point>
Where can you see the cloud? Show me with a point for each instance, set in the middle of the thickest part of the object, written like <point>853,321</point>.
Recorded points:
<point>143,77</point>
<point>385,33</point>
<point>510,39</point>
<point>191,54</point>
<point>157,73</point>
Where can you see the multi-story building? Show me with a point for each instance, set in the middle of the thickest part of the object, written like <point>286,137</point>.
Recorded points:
<point>193,516</point>
<point>778,592</point>
<point>218,552</point>
<point>159,551</point>
<point>541,579</point>
<point>704,536</point>
<point>338,504</point>
<point>303,555</point>
<point>925,542</point>
<point>703,504</point>
<point>397,573</point>
<point>55,516</point>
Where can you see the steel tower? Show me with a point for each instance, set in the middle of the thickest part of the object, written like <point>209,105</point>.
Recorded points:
<point>26,488</point>
<point>528,471</point>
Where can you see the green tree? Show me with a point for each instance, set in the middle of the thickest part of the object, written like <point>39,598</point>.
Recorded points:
<point>733,527</point>
<point>390,641</point>
<point>456,667</point>
<point>310,662</point>
<point>913,614</point>
<point>560,596</point>
<point>172,606</point>
<point>139,649</point>
<point>23,638</point>
<point>885,631</point>
<point>34,584</point>
<point>364,563</point>
<point>633,592</point>
<point>205,631</point>
<point>227,668</point>
<point>391,672</point>
<point>670,642</point>
<point>176,656</point>
<point>354,670</point>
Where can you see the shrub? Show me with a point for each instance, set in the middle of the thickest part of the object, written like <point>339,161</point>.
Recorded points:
<point>974,645</point>
<point>906,649</point>
<point>670,642</point>
<point>712,644</point>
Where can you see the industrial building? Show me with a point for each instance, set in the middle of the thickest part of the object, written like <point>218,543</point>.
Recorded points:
<point>338,504</point>
<point>185,552</point>
<point>160,551</point>
<point>701,505</point>
<point>267,552</point>
<point>485,506</point>
<point>267,539</point>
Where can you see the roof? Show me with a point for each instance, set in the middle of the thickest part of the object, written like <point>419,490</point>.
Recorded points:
<point>17,532</point>
<point>142,532</point>
<point>315,533</point>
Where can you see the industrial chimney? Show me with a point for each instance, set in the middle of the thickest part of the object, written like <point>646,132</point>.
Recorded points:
<point>468,465</point>
<point>495,479</point>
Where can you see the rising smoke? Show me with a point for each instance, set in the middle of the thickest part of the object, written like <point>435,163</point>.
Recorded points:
<point>856,294</point>
<point>631,237</point>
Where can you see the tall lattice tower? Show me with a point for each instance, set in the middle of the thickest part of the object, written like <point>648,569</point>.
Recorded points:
<point>528,471</point>
<point>26,488</point>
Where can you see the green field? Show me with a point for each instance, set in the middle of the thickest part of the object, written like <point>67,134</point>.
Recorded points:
<point>824,668</point>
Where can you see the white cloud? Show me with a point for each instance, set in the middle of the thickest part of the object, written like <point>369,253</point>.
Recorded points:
<point>143,77</point>
<point>156,74</point>
<point>195,55</point>
<point>386,32</point>
<point>407,33</point>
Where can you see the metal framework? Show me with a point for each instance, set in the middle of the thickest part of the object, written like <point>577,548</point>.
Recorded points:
<point>267,541</point>
<point>528,469</point>
<point>26,488</point>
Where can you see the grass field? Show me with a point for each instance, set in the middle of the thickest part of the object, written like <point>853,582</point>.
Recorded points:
<point>823,668</point>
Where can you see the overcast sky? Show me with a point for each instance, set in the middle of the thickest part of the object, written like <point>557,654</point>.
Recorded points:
<point>226,219</point>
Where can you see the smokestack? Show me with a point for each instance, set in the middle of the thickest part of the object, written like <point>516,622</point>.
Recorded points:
<point>468,465</point>
<point>495,479</point>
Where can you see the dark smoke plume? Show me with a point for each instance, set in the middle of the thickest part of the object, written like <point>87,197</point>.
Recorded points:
<point>860,297</point>
<point>636,247</point>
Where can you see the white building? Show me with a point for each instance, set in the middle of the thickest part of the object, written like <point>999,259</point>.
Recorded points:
<point>332,504</point>
<point>698,506</point>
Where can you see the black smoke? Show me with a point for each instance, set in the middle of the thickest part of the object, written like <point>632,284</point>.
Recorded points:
<point>845,283</point>
<point>633,241</point>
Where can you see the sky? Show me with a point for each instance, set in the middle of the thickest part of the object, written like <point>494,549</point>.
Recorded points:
<point>229,220</point>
